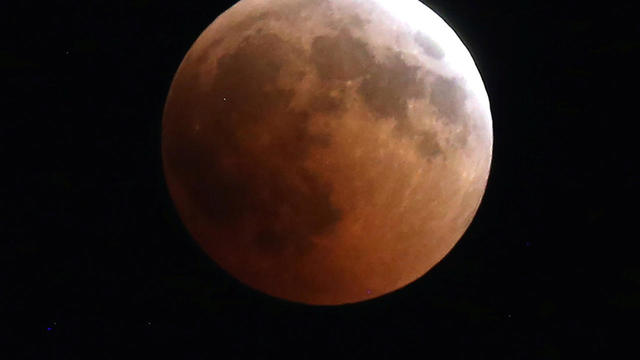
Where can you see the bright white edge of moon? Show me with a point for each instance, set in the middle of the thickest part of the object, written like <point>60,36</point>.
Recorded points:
<point>420,17</point>
<point>415,16</point>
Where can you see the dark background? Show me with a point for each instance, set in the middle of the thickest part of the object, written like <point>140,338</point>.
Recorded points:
<point>95,263</point>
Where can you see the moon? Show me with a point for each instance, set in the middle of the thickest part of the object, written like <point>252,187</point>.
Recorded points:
<point>327,151</point>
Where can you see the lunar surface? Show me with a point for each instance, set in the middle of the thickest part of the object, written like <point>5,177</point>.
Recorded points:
<point>327,151</point>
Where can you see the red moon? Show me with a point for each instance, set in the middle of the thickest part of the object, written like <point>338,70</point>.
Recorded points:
<point>327,151</point>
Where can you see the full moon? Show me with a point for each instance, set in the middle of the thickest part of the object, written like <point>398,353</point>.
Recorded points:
<point>327,151</point>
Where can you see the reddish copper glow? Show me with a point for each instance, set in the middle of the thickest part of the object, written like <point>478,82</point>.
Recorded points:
<point>326,152</point>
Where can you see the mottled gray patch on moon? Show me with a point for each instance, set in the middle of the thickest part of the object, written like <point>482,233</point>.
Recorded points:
<point>428,145</point>
<point>340,57</point>
<point>356,21</point>
<point>389,85</point>
<point>429,46</point>
<point>387,89</point>
<point>448,96</point>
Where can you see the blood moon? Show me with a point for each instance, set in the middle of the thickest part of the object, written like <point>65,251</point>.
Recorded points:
<point>327,152</point>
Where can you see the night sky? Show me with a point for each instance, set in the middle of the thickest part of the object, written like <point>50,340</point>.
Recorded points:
<point>95,264</point>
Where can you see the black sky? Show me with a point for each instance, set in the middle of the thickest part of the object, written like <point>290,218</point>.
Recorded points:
<point>97,264</point>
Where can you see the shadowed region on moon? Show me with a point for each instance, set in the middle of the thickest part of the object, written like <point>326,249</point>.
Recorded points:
<point>449,98</point>
<point>430,47</point>
<point>340,57</point>
<point>390,85</point>
<point>255,146</point>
